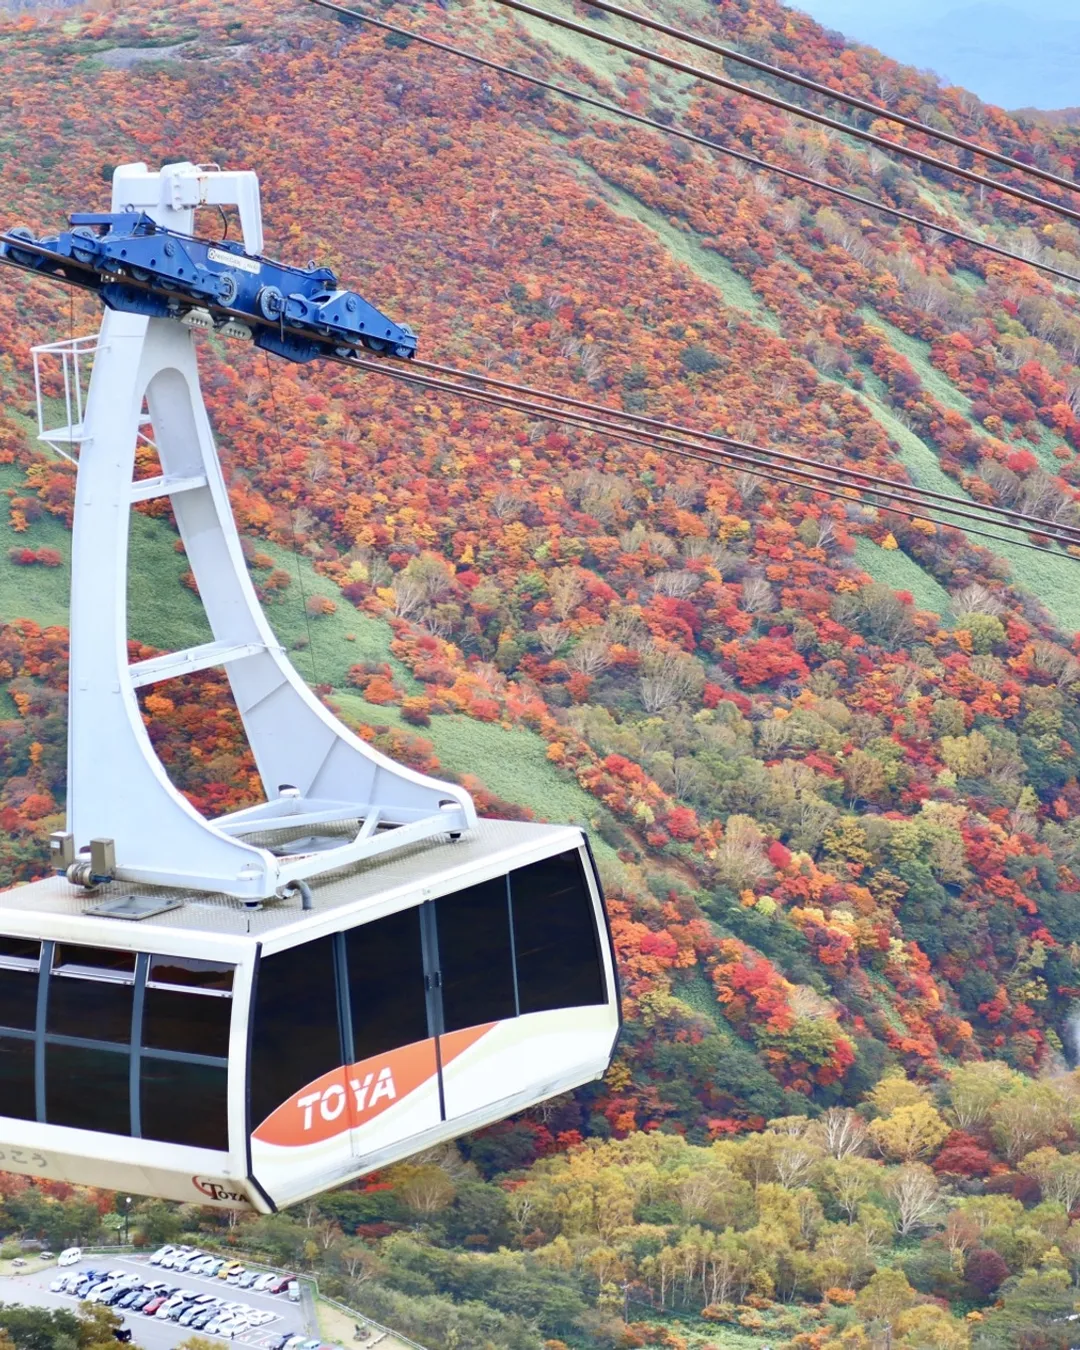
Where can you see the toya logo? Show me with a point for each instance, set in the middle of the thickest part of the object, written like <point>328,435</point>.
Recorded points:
<point>219,1191</point>
<point>332,1100</point>
<point>350,1097</point>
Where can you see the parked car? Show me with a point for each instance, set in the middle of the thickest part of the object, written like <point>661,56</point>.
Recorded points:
<point>46,1256</point>
<point>150,1309</point>
<point>265,1281</point>
<point>18,1261</point>
<point>262,1316</point>
<point>247,1279</point>
<point>228,1269</point>
<point>204,1316</point>
<point>281,1284</point>
<point>157,1257</point>
<point>142,1298</point>
<point>280,1342</point>
<point>70,1256</point>
<point>293,1291</point>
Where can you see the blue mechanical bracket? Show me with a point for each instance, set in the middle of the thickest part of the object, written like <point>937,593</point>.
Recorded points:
<point>138,266</point>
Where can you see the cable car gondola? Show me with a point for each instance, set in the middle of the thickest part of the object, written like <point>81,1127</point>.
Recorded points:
<point>244,1010</point>
<point>214,1053</point>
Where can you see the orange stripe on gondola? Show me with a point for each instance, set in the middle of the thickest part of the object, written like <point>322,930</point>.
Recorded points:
<point>356,1094</point>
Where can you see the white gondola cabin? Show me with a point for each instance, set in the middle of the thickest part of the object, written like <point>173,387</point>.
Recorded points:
<point>245,1010</point>
<point>214,1053</point>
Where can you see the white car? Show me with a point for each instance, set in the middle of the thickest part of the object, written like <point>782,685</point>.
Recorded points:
<point>265,1281</point>
<point>69,1257</point>
<point>260,1318</point>
<point>99,1291</point>
<point>160,1255</point>
<point>59,1284</point>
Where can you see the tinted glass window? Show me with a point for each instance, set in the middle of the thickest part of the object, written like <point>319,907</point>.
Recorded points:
<point>558,957</point>
<point>190,973</point>
<point>18,951</point>
<point>184,1103</point>
<point>386,984</point>
<point>475,955</point>
<point>17,1078</point>
<point>296,1024</point>
<point>87,1089</point>
<point>101,962</point>
<point>195,1023</point>
<point>18,998</point>
<point>96,1010</point>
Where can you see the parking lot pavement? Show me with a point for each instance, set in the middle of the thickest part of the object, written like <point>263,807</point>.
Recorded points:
<point>150,1332</point>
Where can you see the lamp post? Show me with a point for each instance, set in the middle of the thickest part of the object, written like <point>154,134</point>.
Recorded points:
<point>127,1209</point>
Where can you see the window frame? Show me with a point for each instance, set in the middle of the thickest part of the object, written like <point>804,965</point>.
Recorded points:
<point>133,1049</point>
<point>424,899</point>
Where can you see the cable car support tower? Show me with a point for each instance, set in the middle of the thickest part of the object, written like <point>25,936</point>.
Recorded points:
<point>125,819</point>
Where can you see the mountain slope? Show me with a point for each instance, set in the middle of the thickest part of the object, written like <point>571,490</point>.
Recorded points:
<point>830,754</point>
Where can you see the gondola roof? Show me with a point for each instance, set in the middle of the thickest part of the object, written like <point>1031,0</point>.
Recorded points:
<point>496,845</point>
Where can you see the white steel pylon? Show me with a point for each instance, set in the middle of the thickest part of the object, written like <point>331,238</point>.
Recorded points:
<point>314,770</point>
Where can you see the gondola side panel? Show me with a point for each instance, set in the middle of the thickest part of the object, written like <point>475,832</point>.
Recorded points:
<point>324,1128</point>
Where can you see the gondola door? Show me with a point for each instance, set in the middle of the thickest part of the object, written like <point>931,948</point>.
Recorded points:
<point>516,985</point>
<point>391,1053</point>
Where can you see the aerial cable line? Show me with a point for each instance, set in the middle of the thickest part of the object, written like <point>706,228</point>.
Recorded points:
<point>1032,524</point>
<point>757,466</point>
<point>852,480</point>
<point>715,458</point>
<point>753,160</point>
<point>710,77</point>
<point>838,96</point>
<point>582,413</point>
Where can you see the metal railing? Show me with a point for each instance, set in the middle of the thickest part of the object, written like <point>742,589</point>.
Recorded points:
<point>360,1317</point>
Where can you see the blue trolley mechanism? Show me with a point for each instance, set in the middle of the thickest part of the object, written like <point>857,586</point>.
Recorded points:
<point>140,267</point>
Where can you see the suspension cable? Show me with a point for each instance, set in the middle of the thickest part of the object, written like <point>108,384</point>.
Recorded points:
<point>755,161</point>
<point>756,466</point>
<point>580,414</point>
<point>710,77</point>
<point>531,391</point>
<point>838,96</point>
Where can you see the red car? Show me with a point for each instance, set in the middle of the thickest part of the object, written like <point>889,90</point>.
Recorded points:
<point>279,1286</point>
<point>152,1307</point>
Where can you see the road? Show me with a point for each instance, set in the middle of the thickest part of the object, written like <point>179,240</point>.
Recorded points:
<point>150,1332</point>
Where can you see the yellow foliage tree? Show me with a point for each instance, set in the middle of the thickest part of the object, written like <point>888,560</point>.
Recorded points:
<point>909,1132</point>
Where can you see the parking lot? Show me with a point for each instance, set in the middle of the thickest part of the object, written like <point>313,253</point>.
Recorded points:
<point>154,1333</point>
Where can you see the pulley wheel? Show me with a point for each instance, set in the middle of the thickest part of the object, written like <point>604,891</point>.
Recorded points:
<point>84,253</point>
<point>271,303</point>
<point>227,289</point>
<point>17,255</point>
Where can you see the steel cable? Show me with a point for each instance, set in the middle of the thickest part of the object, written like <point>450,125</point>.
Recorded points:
<point>838,96</point>
<point>710,77</point>
<point>755,161</point>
